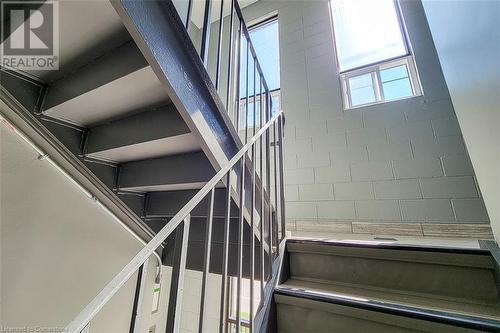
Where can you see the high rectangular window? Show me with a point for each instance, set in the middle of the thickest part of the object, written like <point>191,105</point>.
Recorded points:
<point>366,32</point>
<point>265,39</point>
<point>373,55</point>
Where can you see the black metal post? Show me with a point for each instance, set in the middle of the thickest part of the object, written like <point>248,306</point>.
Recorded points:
<point>219,45</point>
<point>240,241</point>
<point>177,282</point>
<point>205,36</point>
<point>281,135</point>
<point>262,210</point>
<point>136,298</point>
<point>189,12</point>
<point>230,59</point>
<point>246,87</point>
<point>238,79</point>
<point>206,261</point>
<point>227,222</point>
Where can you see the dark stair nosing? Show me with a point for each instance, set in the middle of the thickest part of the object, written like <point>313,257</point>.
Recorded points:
<point>443,317</point>
<point>401,247</point>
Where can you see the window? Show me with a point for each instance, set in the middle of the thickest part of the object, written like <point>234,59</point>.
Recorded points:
<point>264,36</point>
<point>373,55</point>
<point>388,81</point>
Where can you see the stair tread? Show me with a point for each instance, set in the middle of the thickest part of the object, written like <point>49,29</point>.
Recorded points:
<point>362,293</point>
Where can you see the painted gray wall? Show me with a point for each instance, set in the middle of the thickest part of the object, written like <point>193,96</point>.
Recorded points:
<point>467,38</point>
<point>403,161</point>
<point>58,248</point>
<point>59,253</point>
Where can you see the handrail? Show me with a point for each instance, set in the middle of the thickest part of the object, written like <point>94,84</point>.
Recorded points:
<point>270,217</point>
<point>88,313</point>
<point>48,158</point>
<point>243,33</point>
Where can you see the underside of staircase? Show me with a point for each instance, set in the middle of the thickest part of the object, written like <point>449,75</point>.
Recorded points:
<point>127,126</point>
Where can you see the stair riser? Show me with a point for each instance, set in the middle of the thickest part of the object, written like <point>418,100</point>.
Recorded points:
<point>146,126</point>
<point>439,280</point>
<point>185,171</point>
<point>304,316</point>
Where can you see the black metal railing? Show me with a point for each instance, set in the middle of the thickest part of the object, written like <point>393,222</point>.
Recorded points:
<point>268,215</point>
<point>241,57</point>
<point>253,179</point>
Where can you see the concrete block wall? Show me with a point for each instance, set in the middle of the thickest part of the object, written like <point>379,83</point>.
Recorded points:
<point>402,162</point>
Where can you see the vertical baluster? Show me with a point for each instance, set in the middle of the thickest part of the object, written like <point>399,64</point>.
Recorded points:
<point>219,45</point>
<point>252,247</point>
<point>205,36</point>
<point>276,203</point>
<point>189,12</point>
<point>230,58</point>
<point>282,172</point>
<point>240,241</point>
<point>238,79</point>
<point>262,210</point>
<point>135,323</point>
<point>225,244</point>
<point>268,181</point>
<point>206,261</point>
<point>246,86</point>
<point>177,282</point>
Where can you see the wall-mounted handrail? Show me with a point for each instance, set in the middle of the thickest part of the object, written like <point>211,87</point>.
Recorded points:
<point>88,313</point>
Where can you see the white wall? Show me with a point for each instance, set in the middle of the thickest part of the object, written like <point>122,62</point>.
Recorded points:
<point>58,248</point>
<point>467,38</point>
<point>402,162</point>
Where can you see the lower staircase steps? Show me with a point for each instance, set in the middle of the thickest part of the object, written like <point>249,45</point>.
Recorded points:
<point>348,287</point>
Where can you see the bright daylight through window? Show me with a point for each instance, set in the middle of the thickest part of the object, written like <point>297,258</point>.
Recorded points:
<point>373,55</point>
<point>264,38</point>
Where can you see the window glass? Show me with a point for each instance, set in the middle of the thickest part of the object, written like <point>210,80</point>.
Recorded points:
<point>362,91</point>
<point>366,32</point>
<point>393,73</point>
<point>396,82</point>
<point>265,41</point>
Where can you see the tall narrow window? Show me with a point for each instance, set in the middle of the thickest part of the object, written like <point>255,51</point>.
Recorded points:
<point>373,54</point>
<point>264,36</point>
<point>265,40</point>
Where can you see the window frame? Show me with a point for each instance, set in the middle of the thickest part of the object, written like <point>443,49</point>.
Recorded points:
<point>408,59</point>
<point>375,70</point>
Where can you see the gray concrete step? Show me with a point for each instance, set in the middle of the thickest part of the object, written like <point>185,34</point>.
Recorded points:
<point>338,285</point>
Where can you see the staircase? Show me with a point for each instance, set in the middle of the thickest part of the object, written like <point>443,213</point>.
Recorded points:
<point>134,112</point>
<point>110,112</point>
<point>149,136</point>
<point>343,287</point>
